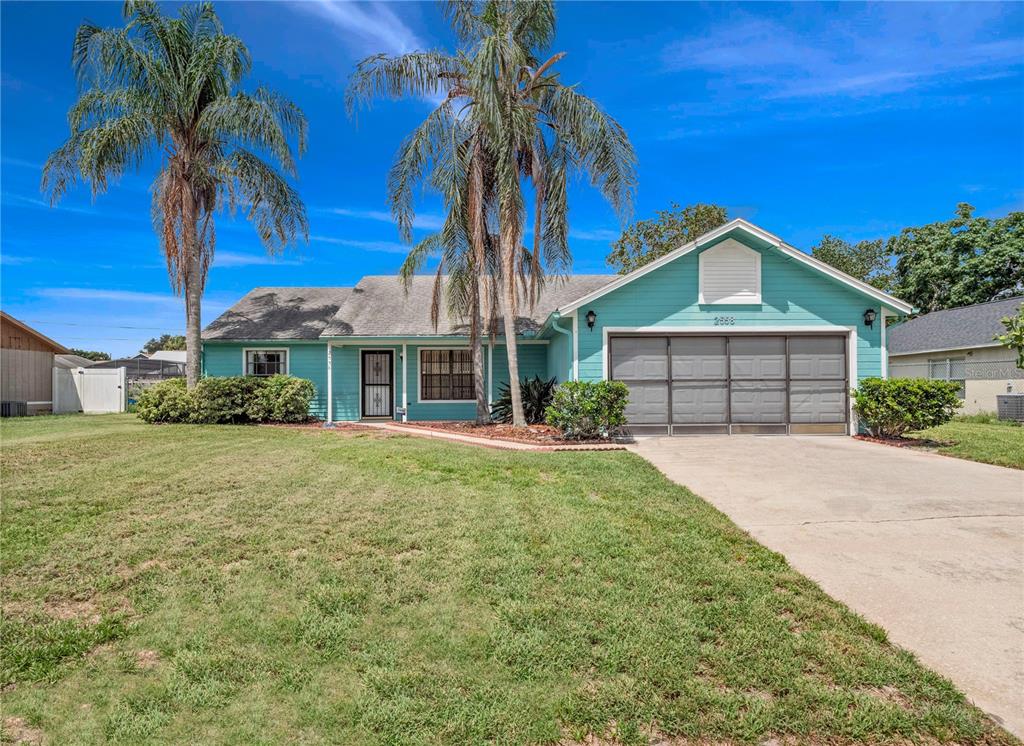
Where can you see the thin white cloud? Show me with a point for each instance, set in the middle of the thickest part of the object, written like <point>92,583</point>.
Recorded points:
<point>13,260</point>
<point>370,27</point>
<point>387,247</point>
<point>881,50</point>
<point>426,221</point>
<point>595,234</point>
<point>238,259</point>
<point>102,294</point>
<point>20,200</point>
<point>20,163</point>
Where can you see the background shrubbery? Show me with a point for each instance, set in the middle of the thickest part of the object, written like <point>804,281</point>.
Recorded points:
<point>588,409</point>
<point>239,399</point>
<point>891,407</point>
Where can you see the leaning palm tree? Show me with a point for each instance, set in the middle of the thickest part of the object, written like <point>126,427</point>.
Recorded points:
<point>516,122</point>
<point>541,130</point>
<point>445,154</point>
<point>169,89</point>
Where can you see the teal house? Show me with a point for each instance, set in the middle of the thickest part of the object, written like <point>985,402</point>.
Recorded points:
<point>735,332</point>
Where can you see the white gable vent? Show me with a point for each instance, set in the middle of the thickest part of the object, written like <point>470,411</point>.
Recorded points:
<point>730,273</point>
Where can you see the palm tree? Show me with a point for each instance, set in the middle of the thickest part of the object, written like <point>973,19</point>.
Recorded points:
<point>445,153</point>
<point>515,122</point>
<point>541,130</point>
<point>170,88</point>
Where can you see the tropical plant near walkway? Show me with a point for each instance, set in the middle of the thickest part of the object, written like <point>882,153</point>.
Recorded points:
<point>516,124</point>
<point>167,91</point>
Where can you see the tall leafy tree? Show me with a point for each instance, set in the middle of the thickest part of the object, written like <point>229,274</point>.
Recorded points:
<point>647,240</point>
<point>95,355</point>
<point>516,125</point>
<point>168,91</point>
<point>959,262</point>
<point>869,261</point>
<point>1013,337</point>
<point>164,342</point>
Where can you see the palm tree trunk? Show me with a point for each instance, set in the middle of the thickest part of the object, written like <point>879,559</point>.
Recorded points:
<point>483,413</point>
<point>509,243</point>
<point>193,325</point>
<point>193,289</point>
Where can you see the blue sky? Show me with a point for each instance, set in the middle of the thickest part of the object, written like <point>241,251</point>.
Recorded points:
<point>849,119</point>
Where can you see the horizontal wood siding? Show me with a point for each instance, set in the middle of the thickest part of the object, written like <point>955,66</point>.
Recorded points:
<point>305,360</point>
<point>792,295</point>
<point>559,353</point>
<point>27,375</point>
<point>532,361</point>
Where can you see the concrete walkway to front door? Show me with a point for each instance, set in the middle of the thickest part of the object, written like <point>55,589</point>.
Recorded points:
<point>929,547</point>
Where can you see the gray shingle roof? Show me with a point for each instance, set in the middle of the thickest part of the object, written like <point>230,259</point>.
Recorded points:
<point>952,329</point>
<point>379,306</point>
<point>278,313</point>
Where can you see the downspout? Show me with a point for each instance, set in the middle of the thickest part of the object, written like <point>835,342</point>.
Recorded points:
<point>555,316</point>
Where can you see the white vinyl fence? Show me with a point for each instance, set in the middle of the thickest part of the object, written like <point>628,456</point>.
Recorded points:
<point>90,390</point>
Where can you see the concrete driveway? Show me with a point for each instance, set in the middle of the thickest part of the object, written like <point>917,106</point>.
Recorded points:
<point>929,547</point>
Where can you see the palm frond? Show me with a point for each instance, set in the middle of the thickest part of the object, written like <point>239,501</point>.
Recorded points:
<point>416,74</point>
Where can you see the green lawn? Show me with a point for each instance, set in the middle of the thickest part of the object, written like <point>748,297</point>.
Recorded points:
<point>268,585</point>
<point>990,442</point>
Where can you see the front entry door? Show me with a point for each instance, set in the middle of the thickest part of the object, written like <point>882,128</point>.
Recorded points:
<point>378,397</point>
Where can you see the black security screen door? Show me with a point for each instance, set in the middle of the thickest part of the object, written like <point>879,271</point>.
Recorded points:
<point>378,398</point>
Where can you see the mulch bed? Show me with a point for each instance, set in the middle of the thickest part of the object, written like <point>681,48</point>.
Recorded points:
<point>902,442</point>
<point>544,435</point>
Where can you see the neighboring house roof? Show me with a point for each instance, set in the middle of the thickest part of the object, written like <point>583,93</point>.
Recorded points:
<point>278,313</point>
<point>750,229</point>
<point>72,361</point>
<point>171,356</point>
<point>20,327</point>
<point>952,329</point>
<point>380,306</point>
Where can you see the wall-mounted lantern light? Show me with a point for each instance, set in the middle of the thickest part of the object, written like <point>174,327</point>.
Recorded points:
<point>869,318</point>
<point>591,318</point>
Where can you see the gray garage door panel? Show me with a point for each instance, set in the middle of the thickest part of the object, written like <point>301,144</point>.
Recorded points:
<point>648,403</point>
<point>760,402</point>
<point>737,383</point>
<point>817,401</point>
<point>817,358</point>
<point>699,402</point>
<point>699,358</point>
<point>757,358</point>
<point>639,357</point>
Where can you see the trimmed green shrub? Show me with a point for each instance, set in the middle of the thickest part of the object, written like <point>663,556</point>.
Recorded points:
<point>537,395</point>
<point>220,401</point>
<point>588,409</point>
<point>234,400</point>
<point>281,399</point>
<point>167,401</point>
<point>891,407</point>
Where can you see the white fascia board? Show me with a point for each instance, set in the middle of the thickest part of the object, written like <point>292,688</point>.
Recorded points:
<point>894,303</point>
<point>945,349</point>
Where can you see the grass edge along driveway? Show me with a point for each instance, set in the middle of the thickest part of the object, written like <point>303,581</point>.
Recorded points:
<point>261,585</point>
<point>987,440</point>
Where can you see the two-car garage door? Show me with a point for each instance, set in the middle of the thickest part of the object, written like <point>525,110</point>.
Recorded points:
<point>751,383</point>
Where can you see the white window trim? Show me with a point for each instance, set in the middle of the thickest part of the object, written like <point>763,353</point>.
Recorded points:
<point>419,377</point>
<point>247,350</point>
<point>755,301</point>
<point>852,378</point>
